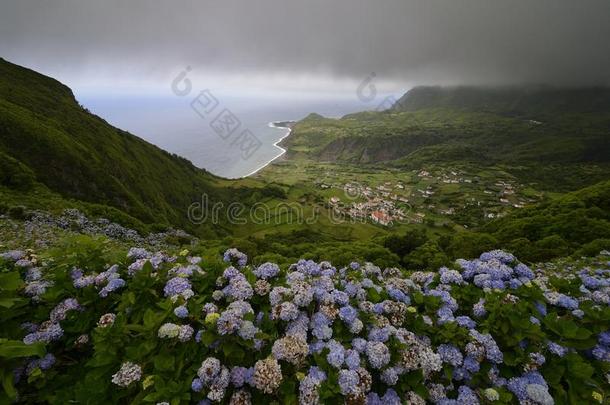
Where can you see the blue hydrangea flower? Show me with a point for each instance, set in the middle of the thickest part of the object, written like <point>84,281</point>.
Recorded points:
<point>197,385</point>
<point>234,255</point>
<point>352,359</point>
<point>389,376</point>
<point>348,381</point>
<point>336,354</point>
<point>450,354</point>
<point>348,314</point>
<point>181,311</point>
<point>450,276</point>
<point>359,345</point>
<point>113,285</point>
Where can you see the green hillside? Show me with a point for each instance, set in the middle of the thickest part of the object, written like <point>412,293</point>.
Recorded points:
<point>542,136</point>
<point>575,222</point>
<point>48,140</point>
<point>526,101</point>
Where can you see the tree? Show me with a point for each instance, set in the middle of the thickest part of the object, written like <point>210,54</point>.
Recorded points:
<point>404,244</point>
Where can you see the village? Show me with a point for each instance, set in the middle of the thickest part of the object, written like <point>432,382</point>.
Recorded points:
<point>435,196</point>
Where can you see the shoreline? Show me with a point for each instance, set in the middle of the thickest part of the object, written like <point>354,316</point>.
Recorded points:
<point>273,124</point>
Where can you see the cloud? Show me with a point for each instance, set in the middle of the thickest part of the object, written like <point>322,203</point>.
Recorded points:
<point>560,42</point>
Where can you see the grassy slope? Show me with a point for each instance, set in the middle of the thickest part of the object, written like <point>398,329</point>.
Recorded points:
<point>48,138</point>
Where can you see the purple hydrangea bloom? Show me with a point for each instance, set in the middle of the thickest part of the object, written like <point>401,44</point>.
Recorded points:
<point>499,255</point>
<point>316,347</point>
<point>378,354</point>
<point>138,253</point>
<point>450,276</point>
<point>379,334</point>
<point>46,334</point>
<point>339,297</point>
<point>478,309</point>
<point>557,349</point>
<point>267,270</point>
<point>398,295</point>
<point>471,364</point>
<point>465,322</point>
<point>389,376</point>
<point>231,272</point>
<point>240,376</point>
<point>445,314</point>
<point>13,255</point>
<point>316,373</point>
<point>233,254</point>
<point>604,338</point>
<point>519,385</point>
<point>540,307</point>
<point>450,354</point>
<point>176,286</point>
<point>467,396</point>
<point>537,358</point>
<point>601,353</point>
<point>239,288</point>
<point>492,351</point>
<point>514,283</point>
<point>521,270</point>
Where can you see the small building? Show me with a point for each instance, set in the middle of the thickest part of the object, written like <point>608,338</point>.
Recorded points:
<point>381,218</point>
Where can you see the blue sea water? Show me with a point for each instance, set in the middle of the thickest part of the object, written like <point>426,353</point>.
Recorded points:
<point>172,124</point>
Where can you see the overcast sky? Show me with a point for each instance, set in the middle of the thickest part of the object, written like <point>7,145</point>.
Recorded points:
<point>312,44</point>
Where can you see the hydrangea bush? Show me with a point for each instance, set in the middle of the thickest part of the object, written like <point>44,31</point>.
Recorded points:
<point>160,328</point>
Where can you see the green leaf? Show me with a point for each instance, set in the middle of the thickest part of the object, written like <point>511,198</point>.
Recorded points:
<point>8,302</point>
<point>14,348</point>
<point>233,352</point>
<point>578,368</point>
<point>164,362</point>
<point>10,281</point>
<point>7,384</point>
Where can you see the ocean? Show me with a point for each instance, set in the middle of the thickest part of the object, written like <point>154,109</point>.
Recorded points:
<point>189,126</point>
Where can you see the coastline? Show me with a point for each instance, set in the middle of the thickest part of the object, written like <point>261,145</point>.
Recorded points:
<point>274,124</point>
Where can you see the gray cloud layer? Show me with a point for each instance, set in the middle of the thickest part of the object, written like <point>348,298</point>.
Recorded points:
<point>427,41</point>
